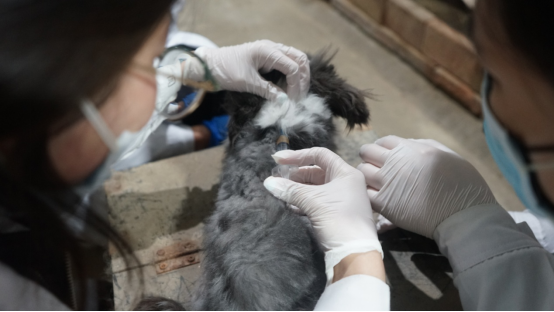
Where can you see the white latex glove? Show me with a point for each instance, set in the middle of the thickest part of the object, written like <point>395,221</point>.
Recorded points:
<point>237,68</point>
<point>417,184</point>
<point>383,224</point>
<point>333,196</point>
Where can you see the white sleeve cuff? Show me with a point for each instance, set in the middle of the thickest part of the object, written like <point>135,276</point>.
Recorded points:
<point>542,228</point>
<point>334,256</point>
<point>355,293</point>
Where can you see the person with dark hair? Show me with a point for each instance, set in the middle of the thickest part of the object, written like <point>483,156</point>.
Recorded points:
<point>77,86</point>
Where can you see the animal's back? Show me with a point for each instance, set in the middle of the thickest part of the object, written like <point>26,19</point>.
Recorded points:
<point>259,254</point>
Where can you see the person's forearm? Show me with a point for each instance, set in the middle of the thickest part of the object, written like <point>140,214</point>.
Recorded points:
<point>368,263</point>
<point>497,265</point>
<point>201,137</point>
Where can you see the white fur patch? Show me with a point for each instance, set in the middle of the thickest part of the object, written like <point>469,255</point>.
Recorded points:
<point>292,114</point>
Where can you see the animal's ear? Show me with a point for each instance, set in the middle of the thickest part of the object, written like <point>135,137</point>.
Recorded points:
<point>343,99</point>
<point>241,107</point>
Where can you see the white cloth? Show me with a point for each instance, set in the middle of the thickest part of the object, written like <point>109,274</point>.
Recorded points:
<point>542,228</point>
<point>19,293</point>
<point>355,293</point>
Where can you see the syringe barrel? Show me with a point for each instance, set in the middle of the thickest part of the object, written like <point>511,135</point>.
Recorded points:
<point>282,146</point>
<point>282,143</point>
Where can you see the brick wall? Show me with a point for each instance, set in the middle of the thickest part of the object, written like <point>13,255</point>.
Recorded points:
<point>442,54</point>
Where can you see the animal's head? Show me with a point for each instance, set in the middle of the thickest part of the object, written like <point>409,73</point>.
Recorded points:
<point>342,99</point>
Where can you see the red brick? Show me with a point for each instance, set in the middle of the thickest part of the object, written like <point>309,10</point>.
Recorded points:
<point>368,25</point>
<point>373,8</point>
<point>387,37</point>
<point>458,90</point>
<point>454,52</point>
<point>408,20</point>
<point>408,53</point>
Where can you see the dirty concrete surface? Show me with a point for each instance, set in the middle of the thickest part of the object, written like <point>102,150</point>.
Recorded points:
<point>149,204</point>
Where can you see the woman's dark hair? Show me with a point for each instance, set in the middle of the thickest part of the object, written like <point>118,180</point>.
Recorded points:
<point>529,27</point>
<point>53,54</point>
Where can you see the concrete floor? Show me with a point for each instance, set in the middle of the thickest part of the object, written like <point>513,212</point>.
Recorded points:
<point>406,104</point>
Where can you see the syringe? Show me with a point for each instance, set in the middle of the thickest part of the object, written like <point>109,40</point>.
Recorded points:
<point>282,143</point>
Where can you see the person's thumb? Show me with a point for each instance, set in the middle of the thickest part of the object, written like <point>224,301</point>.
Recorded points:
<point>294,193</point>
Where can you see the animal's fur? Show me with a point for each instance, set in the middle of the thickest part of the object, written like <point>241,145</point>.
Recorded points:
<point>258,254</point>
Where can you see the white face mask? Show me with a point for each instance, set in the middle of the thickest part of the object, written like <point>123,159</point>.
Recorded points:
<point>120,148</point>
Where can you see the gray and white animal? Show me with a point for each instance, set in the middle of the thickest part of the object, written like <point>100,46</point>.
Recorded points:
<point>259,255</point>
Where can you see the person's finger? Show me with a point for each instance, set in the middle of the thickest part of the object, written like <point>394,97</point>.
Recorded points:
<point>265,89</point>
<point>372,176</point>
<point>298,83</point>
<point>383,224</point>
<point>295,54</point>
<point>374,154</point>
<point>309,174</point>
<point>435,144</point>
<point>273,59</point>
<point>372,194</point>
<point>298,56</point>
<point>390,141</point>
<point>289,61</point>
<point>294,193</point>
<point>322,157</point>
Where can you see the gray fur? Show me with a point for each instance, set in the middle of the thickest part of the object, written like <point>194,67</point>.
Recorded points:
<point>258,254</point>
<point>158,304</point>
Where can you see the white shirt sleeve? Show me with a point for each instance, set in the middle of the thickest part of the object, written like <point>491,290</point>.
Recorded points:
<point>355,293</point>
<point>542,228</point>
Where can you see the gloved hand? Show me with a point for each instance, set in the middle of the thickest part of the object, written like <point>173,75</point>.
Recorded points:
<point>333,196</point>
<point>417,184</point>
<point>236,68</point>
